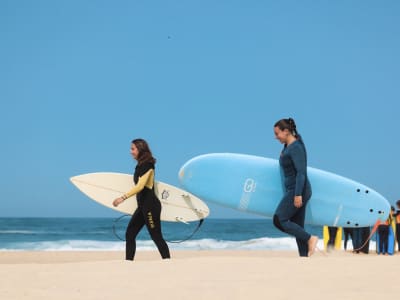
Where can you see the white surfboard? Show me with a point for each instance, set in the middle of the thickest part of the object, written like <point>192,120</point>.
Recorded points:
<point>177,204</point>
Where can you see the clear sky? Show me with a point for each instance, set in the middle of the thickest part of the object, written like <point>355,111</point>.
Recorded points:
<point>80,79</point>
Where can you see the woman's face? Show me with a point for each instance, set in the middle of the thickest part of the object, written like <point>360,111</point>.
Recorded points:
<point>281,135</point>
<point>134,151</point>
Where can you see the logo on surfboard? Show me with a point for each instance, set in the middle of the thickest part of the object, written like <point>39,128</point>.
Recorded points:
<point>164,195</point>
<point>249,185</point>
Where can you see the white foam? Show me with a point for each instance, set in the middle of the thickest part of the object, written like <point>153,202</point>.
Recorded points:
<point>202,244</point>
<point>266,243</point>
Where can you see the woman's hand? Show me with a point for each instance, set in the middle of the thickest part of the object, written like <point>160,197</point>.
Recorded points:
<point>298,201</point>
<point>118,201</point>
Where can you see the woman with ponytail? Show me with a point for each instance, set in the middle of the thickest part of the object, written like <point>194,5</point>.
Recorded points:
<point>291,211</point>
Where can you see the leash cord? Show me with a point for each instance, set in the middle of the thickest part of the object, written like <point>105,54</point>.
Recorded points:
<point>174,242</point>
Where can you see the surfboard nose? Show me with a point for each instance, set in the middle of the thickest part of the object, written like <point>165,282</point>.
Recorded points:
<point>187,170</point>
<point>181,173</point>
<point>193,175</point>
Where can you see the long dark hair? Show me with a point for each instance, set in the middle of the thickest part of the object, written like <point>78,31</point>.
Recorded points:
<point>288,124</point>
<point>145,154</point>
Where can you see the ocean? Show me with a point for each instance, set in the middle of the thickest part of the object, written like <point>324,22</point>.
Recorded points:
<point>102,234</point>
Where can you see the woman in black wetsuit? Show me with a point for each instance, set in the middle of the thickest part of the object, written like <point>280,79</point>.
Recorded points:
<point>149,207</point>
<point>291,211</point>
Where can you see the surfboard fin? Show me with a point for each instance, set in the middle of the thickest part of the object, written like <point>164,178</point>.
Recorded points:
<point>182,220</point>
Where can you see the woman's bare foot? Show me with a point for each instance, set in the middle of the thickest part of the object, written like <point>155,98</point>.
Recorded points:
<point>312,244</point>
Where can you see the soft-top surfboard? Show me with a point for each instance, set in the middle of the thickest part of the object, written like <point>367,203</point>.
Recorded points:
<point>253,184</point>
<point>177,204</point>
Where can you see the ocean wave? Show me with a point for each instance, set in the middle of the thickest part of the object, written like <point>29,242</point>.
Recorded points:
<point>64,245</point>
<point>266,243</point>
<point>17,232</point>
<point>252,244</point>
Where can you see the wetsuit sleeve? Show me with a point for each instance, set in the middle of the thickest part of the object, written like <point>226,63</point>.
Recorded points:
<point>142,182</point>
<point>300,164</point>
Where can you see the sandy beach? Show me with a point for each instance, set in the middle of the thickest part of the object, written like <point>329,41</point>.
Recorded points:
<point>197,275</point>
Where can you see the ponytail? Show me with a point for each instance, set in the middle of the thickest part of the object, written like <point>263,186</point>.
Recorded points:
<point>292,127</point>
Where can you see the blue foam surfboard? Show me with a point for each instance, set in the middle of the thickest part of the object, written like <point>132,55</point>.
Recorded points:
<point>253,184</point>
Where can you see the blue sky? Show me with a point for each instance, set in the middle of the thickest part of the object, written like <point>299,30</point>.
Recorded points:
<point>80,79</point>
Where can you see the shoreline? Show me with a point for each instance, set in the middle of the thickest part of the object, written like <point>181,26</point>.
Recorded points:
<point>49,257</point>
<point>77,256</point>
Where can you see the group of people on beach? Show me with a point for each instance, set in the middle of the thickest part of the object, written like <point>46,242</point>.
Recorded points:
<point>289,216</point>
<point>290,213</point>
<point>384,229</point>
<point>360,236</point>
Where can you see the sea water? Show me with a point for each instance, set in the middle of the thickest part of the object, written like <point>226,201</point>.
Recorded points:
<point>99,234</point>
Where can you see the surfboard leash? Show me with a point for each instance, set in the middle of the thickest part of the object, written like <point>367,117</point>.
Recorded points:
<point>113,227</point>
<point>174,242</point>
<point>370,236</point>
<point>191,235</point>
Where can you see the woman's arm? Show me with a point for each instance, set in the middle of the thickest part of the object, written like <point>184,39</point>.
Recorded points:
<point>142,182</point>
<point>300,164</point>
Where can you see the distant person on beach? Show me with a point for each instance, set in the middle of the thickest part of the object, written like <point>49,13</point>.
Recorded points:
<point>383,232</point>
<point>290,214</point>
<point>348,232</point>
<point>332,237</point>
<point>149,206</point>
<point>361,237</point>
<point>396,215</point>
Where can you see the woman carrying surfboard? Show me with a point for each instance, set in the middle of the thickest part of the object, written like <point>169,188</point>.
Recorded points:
<point>149,206</point>
<point>291,211</point>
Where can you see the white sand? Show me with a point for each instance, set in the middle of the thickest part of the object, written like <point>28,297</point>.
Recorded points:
<point>197,275</point>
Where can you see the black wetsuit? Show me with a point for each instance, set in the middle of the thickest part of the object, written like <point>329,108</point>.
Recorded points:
<point>332,237</point>
<point>287,217</point>
<point>397,216</point>
<point>348,232</point>
<point>147,213</point>
<point>360,239</point>
<point>383,232</point>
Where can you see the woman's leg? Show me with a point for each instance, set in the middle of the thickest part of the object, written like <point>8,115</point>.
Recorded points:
<point>153,224</point>
<point>298,219</point>
<point>380,245</point>
<point>385,238</point>
<point>283,218</point>
<point>348,232</point>
<point>135,225</point>
<point>357,240</point>
<point>332,237</point>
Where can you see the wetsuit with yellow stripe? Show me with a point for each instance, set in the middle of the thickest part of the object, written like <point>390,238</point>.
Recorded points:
<point>147,213</point>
